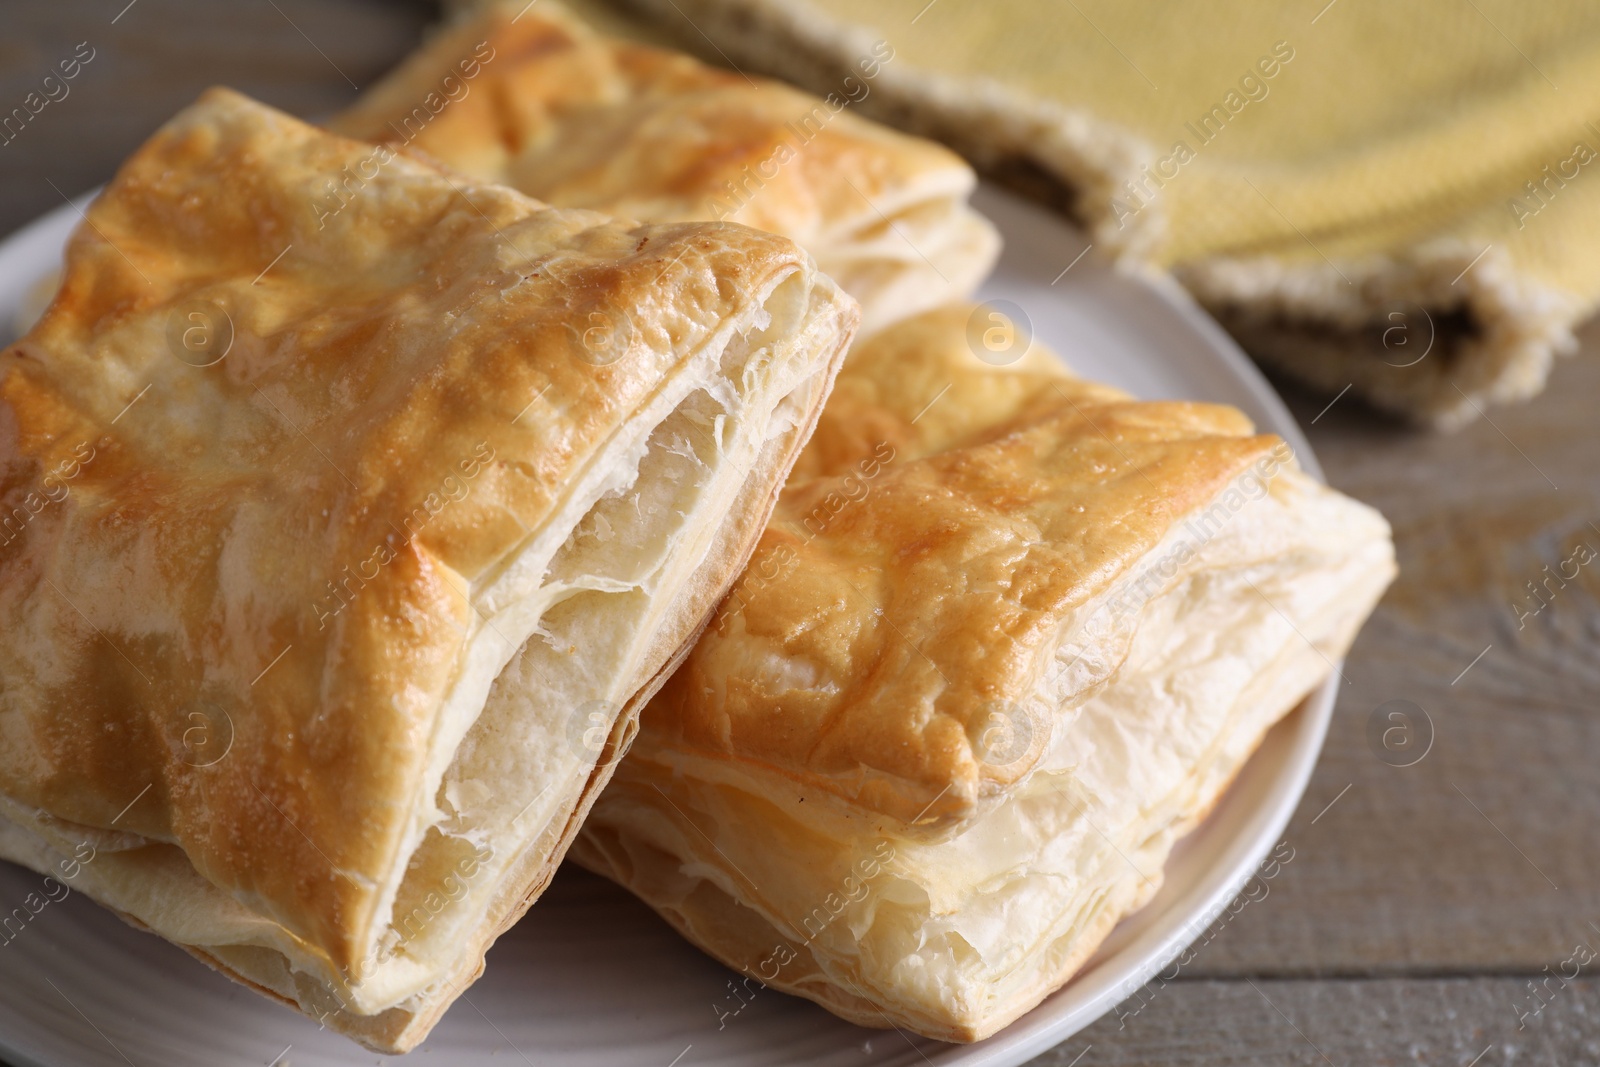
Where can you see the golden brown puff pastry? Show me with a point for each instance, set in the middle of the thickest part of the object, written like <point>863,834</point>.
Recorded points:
<point>336,544</point>
<point>533,98</point>
<point>1009,635</point>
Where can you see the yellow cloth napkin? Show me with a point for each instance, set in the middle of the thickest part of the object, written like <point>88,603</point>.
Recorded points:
<point>1403,198</point>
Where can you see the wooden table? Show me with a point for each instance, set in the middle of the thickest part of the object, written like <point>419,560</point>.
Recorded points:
<point>1421,900</point>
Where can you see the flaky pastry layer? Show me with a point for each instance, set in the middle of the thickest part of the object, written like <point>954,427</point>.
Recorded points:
<point>991,660</point>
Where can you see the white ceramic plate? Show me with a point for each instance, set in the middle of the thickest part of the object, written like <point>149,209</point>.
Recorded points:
<point>591,977</point>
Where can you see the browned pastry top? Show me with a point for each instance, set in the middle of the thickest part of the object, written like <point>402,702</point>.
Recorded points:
<point>286,545</point>
<point>923,561</point>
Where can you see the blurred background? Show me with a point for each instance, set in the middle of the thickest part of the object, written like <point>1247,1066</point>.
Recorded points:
<point>1437,885</point>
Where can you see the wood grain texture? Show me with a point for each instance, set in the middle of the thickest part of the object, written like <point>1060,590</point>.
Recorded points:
<point>1446,1022</point>
<point>1422,902</point>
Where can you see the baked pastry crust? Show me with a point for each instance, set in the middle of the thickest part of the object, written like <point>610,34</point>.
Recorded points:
<point>1009,636</point>
<point>338,541</point>
<point>535,99</point>
<point>987,529</point>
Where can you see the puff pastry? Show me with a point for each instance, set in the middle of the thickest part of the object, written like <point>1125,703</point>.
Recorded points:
<point>530,96</point>
<point>337,543</point>
<point>1009,635</point>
